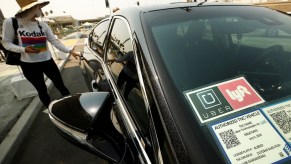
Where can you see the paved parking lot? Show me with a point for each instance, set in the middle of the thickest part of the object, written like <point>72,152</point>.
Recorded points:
<point>43,144</point>
<point>16,116</point>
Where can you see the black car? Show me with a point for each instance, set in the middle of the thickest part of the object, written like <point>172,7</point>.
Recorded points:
<point>185,83</point>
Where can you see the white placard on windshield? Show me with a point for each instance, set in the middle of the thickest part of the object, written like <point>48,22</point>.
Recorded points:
<point>250,138</point>
<point>280,116</point>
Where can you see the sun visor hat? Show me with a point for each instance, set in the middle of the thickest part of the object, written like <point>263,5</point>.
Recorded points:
<point>28,4</point>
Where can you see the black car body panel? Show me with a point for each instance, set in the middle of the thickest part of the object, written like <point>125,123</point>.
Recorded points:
<point>186,49</point>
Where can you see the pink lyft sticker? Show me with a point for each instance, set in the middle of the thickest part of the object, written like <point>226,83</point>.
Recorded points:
<point>239,93</point>
<point>221,99</point>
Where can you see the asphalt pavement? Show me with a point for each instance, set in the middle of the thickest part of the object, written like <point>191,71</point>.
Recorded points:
<point>18,116</point>
<point>43,144</point>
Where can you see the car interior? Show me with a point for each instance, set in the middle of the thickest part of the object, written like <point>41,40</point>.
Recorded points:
<point>214,50</point>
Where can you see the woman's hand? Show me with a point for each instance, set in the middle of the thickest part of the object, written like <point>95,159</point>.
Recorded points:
<point>31,50</point>
<point>75,54</point>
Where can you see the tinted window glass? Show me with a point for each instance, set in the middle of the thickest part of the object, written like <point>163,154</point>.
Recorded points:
<point>98,36</point>
<point>119,46</point>
<point>202,52</point>
<point>123,68</point>
<point>201,47</point>
<point>100,32</point>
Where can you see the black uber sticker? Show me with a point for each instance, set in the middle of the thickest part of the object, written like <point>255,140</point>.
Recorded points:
<point>212,102</point>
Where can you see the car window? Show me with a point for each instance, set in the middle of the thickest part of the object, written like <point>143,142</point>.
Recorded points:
<point>122,65</point>
<point>98,37</point>
<point>100,32</point>
<point>222,47</point>
<point>200,55</point>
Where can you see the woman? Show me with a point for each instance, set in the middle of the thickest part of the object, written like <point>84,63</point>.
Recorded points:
<point>36,59</point>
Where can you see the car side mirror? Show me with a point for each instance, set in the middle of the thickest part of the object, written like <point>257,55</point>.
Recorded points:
<point>85,119</point>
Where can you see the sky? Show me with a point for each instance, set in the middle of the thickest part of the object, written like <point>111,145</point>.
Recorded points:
<point>82,9</point>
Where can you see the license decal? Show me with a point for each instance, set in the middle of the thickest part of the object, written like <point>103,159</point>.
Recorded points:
<point>221,99</point>
<point>249,138</point>
<point>280,116</point>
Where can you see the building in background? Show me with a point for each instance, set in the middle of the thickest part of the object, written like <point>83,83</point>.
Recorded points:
<point>281,5</point>
<point>284,6</point>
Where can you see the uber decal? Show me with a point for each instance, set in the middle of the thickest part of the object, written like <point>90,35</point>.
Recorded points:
<point>220,99</point>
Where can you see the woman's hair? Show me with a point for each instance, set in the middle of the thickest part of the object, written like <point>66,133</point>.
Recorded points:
<point>28,14</point>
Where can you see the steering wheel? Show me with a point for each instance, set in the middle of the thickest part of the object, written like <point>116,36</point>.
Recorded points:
<point>271,60</point>
<point>267,71</point>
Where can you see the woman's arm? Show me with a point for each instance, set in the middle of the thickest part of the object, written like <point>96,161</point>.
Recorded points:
<point>55,42</point>
<point>52,39</point>
<point>8,36</point>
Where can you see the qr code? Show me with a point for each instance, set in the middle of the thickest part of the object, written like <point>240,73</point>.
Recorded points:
<point>229,138</point>
<point>283,120</point>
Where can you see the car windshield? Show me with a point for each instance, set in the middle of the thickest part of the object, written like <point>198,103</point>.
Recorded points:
<point>199,47</point>
<point>205,50</point>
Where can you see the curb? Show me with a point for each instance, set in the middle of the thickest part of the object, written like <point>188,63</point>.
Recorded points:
<point>10,144</point>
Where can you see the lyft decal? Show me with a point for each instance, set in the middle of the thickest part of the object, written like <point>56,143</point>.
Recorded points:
<point>239,93</point>
<point>221,99</point>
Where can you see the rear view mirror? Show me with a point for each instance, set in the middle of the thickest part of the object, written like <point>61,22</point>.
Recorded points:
<point>85,120</point>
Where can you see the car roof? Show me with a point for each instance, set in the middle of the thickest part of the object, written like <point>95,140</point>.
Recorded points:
<point>132,13</point>
<point>148,8</point>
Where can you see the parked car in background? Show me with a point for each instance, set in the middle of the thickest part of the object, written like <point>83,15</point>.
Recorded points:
<point>185,83</point>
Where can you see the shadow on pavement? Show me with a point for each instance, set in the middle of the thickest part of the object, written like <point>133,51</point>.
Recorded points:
<point>43,144</point>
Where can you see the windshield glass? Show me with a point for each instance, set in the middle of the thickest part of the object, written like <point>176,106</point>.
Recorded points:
<point>208,49</point>
<point>200,47</point>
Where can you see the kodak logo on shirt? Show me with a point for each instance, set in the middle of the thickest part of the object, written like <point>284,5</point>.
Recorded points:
<point>23,33</point>
<point>35,39</point>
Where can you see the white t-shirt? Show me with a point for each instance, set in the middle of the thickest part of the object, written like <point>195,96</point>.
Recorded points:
<point>30,34</point>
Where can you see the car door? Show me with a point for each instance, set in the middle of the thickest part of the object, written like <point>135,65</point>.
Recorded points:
<point>126,82</point>
<point>91,60</point>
